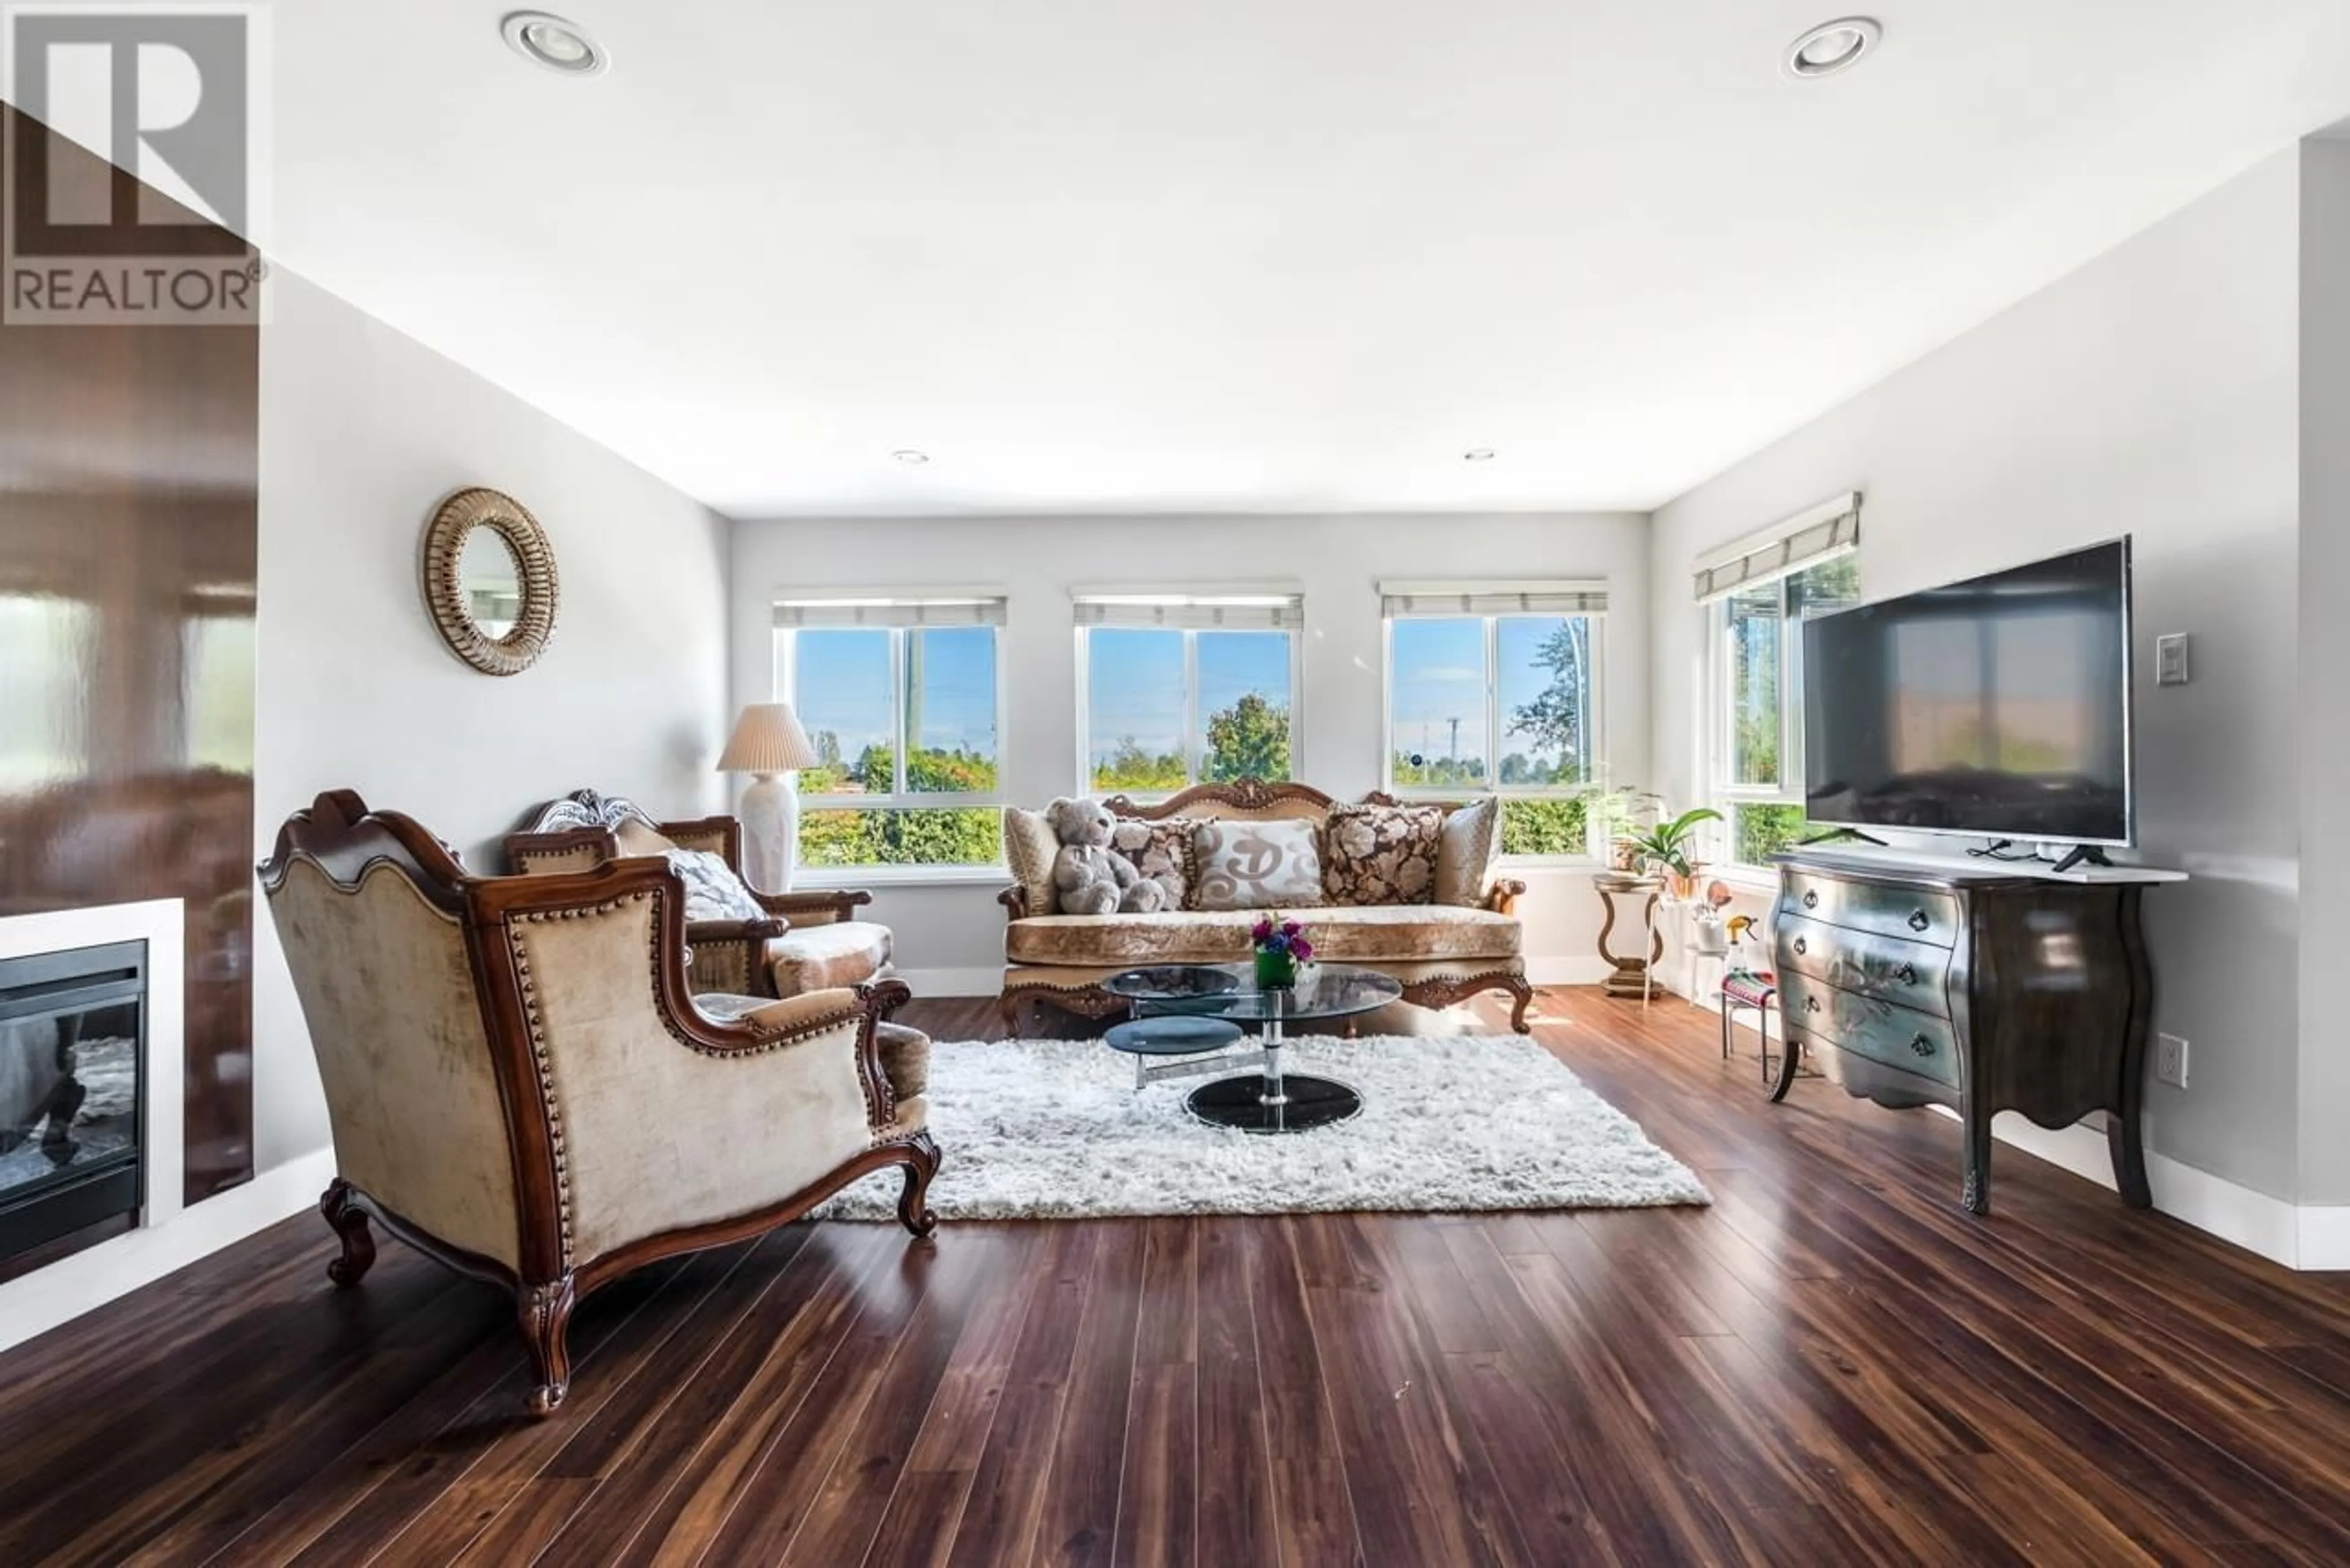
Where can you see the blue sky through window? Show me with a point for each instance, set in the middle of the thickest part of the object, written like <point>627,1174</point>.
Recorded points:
<point>1134,682</point>
<point>843,687</point>
<point>1439,677</point>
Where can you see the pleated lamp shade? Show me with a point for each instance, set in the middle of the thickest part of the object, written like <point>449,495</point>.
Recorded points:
<point>767,739</point>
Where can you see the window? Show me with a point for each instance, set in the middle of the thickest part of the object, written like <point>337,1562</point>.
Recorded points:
<point>902,700</point>
<point>1758,600</point>
<point>1183,688</point>
<point>1495,690</point>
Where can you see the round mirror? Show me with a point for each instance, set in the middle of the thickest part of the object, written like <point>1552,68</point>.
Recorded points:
<point>489,581</point>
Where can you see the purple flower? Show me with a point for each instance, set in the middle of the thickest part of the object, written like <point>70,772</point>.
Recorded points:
<point>1261,933</point>
<point>1301,950</point>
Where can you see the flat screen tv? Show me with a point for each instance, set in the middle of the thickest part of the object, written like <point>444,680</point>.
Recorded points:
<point>1998,706</point>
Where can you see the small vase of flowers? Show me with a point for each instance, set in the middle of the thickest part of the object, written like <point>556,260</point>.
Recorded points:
<point>1281,945</point>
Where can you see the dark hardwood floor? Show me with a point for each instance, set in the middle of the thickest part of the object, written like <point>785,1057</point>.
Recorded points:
<point>1833,1364</point>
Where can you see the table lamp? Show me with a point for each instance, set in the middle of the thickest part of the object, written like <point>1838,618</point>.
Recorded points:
<point>769,744</point>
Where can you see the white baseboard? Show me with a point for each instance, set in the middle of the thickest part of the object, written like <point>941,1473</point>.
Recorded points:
<point>2324,1237</point>
<point>2299,1237</point>
<point>938,983</point>
<point>1579,968</point>
<point>89,1279</point>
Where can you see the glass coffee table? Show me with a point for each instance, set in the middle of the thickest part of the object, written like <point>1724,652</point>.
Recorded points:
<point>1270,1100</point>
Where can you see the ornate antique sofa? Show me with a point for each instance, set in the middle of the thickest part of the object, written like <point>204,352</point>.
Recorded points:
<point>807,941</point>
<point>1443,953</point>
<point>521,1085</point>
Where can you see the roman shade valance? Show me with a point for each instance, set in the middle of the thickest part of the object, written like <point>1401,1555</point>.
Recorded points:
<point>1271,608</point>
<point>1817,533</point>
<point>900,606</point>
<point>1480,598</point>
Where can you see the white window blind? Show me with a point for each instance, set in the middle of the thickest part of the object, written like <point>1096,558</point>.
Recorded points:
<point>1818,533</point>
<point>1412,598</point>
<point>1226,609</point>
<point>907,606</point>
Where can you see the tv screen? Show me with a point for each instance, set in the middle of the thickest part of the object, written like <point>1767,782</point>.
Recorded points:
<point>1998,706</point>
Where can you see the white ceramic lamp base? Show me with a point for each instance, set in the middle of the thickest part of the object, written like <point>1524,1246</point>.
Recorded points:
<point>771,831</point>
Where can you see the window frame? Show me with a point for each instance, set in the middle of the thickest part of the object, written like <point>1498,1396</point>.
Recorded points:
<point>1724,794</point>
<point>1591,789</point>
<point>1194,736</point>
<point>898,798</point>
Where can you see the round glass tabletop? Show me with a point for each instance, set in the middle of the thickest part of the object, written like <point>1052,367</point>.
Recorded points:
<point>1230,991</point>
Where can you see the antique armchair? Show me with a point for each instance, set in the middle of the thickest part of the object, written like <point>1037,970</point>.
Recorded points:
<point>521,1085</point>
<point>807,941</point>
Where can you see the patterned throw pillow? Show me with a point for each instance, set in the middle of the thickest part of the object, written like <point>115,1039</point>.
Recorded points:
<point>1160,851</point>
<point>1466,853</point>
<point>1383,853</point>
<point>713,891</point>
<point>1255,864</point>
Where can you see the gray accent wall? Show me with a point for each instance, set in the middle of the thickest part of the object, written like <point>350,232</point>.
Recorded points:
<point>2325,642</point>
<point>363,432</point>
<point>1340,561</point>
<point>2156,392</point>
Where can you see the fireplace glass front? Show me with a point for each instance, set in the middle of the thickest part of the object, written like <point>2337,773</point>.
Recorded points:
<point>72,1041</point>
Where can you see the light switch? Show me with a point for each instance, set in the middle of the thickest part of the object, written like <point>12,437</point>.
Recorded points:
<point>2170,660</point>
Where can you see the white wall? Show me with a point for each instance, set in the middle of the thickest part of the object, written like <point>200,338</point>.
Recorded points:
<point>1338,559</point>
<point>2324,579</point>
<point>363,432</point>
<point>2152,393</point>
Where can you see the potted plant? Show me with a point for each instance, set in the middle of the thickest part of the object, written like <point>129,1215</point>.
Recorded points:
<point>1624,814</point>
<point>1281,945</point>
<point>1664,848</point>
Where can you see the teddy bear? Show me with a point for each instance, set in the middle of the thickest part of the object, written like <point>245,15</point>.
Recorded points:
<point>1087,879</point>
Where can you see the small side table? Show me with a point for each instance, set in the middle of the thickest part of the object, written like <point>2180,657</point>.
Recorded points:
<point>1630,977</point>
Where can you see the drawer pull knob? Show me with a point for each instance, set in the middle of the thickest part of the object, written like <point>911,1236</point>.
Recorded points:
<point>1802,946</point>
<point>1909,975</point>
<point>1810,899</point>
<point>1811,1004</point>
<point>1918,920</point>
<point>1922,1046</point>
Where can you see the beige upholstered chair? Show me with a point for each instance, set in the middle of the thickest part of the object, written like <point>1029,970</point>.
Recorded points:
<point>521,1085</point>
<point>809,941</point>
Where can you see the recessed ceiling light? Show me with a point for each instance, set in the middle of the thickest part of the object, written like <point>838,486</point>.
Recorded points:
<point>1832,46</point>
<point>550,41</point>
<point>909,455</point>
<point>1478,454</point>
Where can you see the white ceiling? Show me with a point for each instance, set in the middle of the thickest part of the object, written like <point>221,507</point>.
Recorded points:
<point>1240,254</point>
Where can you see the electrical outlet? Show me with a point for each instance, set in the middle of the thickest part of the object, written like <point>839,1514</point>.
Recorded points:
<point>2170,660</point>
<point>2170,1060</point>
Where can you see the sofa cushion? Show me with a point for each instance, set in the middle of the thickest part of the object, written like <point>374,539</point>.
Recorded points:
<point>1377,934</point>
<point>1159,851</point>
<point>818,958</point>
<point>635,838</point>
<point>1256,865</point>
<point>1465,852</point>
<point>1382,854</point>
<point>1029,847</point>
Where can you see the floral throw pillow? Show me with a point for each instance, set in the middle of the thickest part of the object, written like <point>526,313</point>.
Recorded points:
<point>713,891</point>
<point>1159,851</point>
<point>1383,853</point>
<point>1256,865</point>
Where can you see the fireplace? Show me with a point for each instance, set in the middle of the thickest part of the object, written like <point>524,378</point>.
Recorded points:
<point>73,1038</point>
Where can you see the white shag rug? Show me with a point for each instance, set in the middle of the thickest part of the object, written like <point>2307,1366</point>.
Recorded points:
<point>1051,1130</point>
